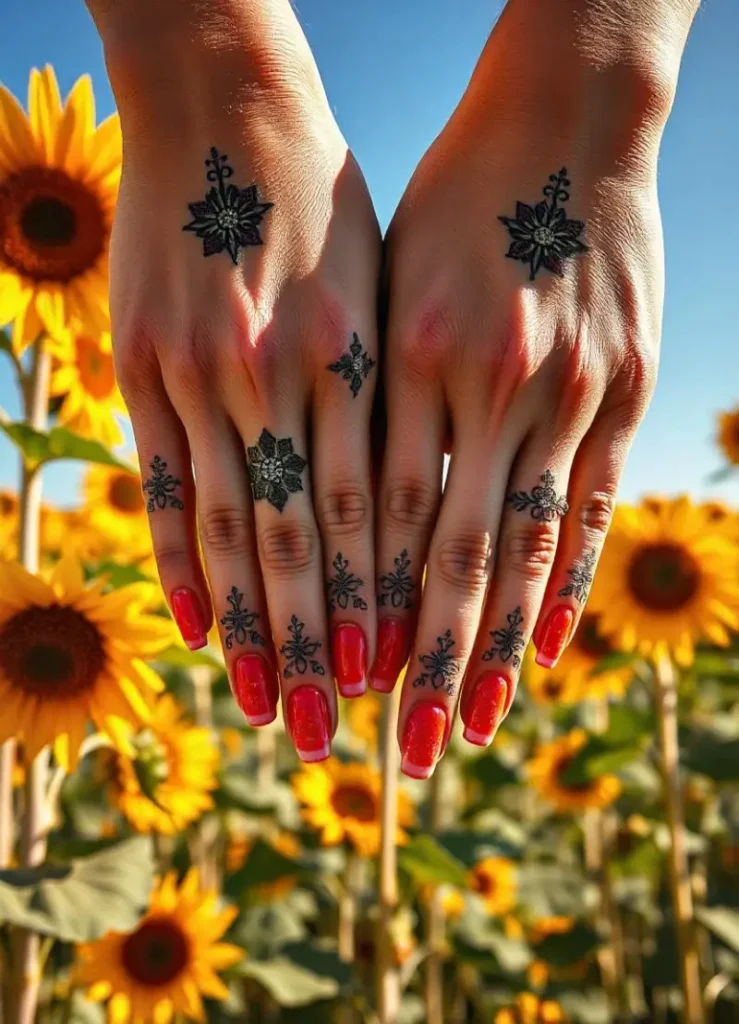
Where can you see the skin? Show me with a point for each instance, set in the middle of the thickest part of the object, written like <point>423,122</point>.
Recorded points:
<point>515,377</point>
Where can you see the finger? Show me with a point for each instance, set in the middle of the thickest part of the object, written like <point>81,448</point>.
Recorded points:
<point>343,501</point>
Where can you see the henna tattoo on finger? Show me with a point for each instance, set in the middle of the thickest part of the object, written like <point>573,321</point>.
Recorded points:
<point>160,487</point>
<point>508,642</point>
<point>229,217</point>
<point>354,365</point>
<point>541,235</point>
<point>240,622</point>
<point>397,587</point>
<point>299,652</point>
<point>543,503</point>
<point>581,574</point>
<point>343,586</point>
<point>274,469</point>
<point>440,666</point>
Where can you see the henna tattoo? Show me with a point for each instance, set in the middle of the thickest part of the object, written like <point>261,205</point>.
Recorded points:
<point>582,573</point>
<point>542,236</point>
<point>239,622</point>
<point>353,366</point>
<point>299,652</point>
<point>229,217</point>
<point>160,487</point>
<point>342,588</point>
<point>274,469</point>
<point>543,502</point>
<point>397,586</point>
<point>440,666</point>
<point>508,642</point>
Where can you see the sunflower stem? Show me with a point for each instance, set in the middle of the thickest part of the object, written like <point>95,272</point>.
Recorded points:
<point>433,981</point>
<point>680,890</point>
<point>205,838</point>
<point>388,976</point>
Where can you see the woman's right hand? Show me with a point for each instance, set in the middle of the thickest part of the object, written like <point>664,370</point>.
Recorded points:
<point>226,337</point>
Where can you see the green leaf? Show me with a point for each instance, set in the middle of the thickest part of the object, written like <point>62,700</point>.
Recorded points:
<point>426,861</point>
<point>715,666</point>
<point>490,771</point>
<point>180,657</point>
<point>59,443</point>
<point>723,922</point>
<point>264,864</point>
<point>6,344</point>
<point>81,1011</point>
<point>289,983</point>
<point>589,1006</point>
<point>264,928</point>
<point>478,931</point>
<point>80,901</point>
<point>627,725</point>
<point>613,661</point>
<point>568,947</point>
<point>713,756</point>
<point>597,758</point>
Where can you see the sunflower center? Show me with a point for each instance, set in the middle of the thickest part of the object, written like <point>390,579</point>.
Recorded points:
<point>573,787</point>
<point>51,652</point>
<point>552,688</point>
<point>156,953</point>
<point>663,577</point>
<point>543,236</point>
<point>52,227</point>
<point>95,366</point>
<point>151,764</point>
<point>354,802</point>
<point>589,640</point>
<point>8,504</point>
<point>485,884</point>
<point>124,494</point>
<point>272,470</point>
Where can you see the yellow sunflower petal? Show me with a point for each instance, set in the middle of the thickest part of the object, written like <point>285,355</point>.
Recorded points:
<point>17,144</point>
<point>44,110</point>
<point>76,127</point>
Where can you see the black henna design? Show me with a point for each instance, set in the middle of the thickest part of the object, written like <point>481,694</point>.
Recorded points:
<point>239,622</point>
<point>229,217</point>
<point>582,573</point>
<point>343,586</point>
<point>299,652</point>
<point>542,236</point>
<point>353,366</point>
<point>274,469</point>
<point>508,642</point>
<point>397,586</point>
<point>161,486</point>
<point>543,502</point>
<point>440,666</point>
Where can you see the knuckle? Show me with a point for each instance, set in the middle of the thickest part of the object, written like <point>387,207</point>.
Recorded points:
<point>345,510</point>
<point>463,561</point>
<point>191,364</point>
<point>133,358</point>
<point>410,503</point>
<point>426,338</point>
<point>225,530</point>
<point>530,551</point>
<point>596,512</point>
<point>287,549</point>
<point>172,559</point>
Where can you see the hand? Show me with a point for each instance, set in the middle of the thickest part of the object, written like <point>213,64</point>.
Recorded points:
<point>537,367</point>
<point>246,347</point>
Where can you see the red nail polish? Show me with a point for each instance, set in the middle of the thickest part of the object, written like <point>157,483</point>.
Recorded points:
<point>423,740</point>
<point>483,712</point>
<point>253,689</point>
<point>189,617</point>
<point>391,655</point>
<point>554,636</point>
<point>350,659</point>
<point>307,719</point>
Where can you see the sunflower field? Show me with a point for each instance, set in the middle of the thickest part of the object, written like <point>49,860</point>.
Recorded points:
<point>162,862</point>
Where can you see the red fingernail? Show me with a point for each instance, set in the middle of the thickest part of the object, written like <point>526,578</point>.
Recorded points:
<point>189,617</point>
<point>350,659</point>
<point>307,719</point>
<point>253,689</point>
<point>391,655</point>
<point>554,636</point>
<point>483,712</point>
<point>423,740</point>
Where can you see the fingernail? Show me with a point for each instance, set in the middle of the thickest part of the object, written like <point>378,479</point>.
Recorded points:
<point>253,689</point>
<point>483,712</point>
<point>350,659</point>
<point>307,719</point>
<point>554,636</point>
<point>189,617</point>
<point>391,655</point>
<point>423,740</point>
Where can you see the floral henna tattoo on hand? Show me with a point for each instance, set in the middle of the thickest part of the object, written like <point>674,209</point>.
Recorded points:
<point>299,652</point>
<point>582,573</point>
<point>353,366</point>
<point>397,586</point>
<point>440,666</point>
<point>274,469</point>
<point>229,217</point>
<point>509,642</point>
<point>342,587</point>
<point>542,236</point>
<point>543,502</point>
<point>239,622</point>
<point>160,487</point>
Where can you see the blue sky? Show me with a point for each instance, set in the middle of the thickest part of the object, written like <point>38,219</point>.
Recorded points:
<point>394,70</point>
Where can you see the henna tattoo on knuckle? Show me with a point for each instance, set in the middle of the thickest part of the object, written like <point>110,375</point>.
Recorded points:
<point>542,235</point>
<point>299,652</point>
<point>543,503</point>
<point>342,587</point>
<point>160,487</point>
<point>239,622</point>
<point>508,643</point>
<point>229,217</point>
<point>440,666</point>
<point>397,587</point>
<point>354,365</point>
<point>581,574</point>
<point>274,469</point>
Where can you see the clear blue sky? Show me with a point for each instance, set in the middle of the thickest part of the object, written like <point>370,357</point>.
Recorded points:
<point>394,69</point>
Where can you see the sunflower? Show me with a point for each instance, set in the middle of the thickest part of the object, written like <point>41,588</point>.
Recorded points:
<point>728,435</point>
<point>84,379</point>
<point>666,580</point>
<point>343,802</point>
<point>58,185</point>
<point>549,763</point>
<point>494,878</point>
<point>168,783</point>
<point>115,512</point>
<point>167,963</point>
<point>364,717</point>
<point>69,653</point>
<point>9,517</point>
<point>529,1009</point>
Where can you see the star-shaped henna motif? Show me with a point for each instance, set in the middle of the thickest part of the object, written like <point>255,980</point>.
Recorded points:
<point>299,652</point>
<point>508,642</point>
<point>543,502</point>
<point>239,622</point>
<point>440,667</point>
<point>354,365</point>
<point>274,469</point>
<point>343,586</point>
<point>229,217</point>
<point>581,574</point>
<point>397,586</point>
<point>541,235</point>
<point>160,487</point>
